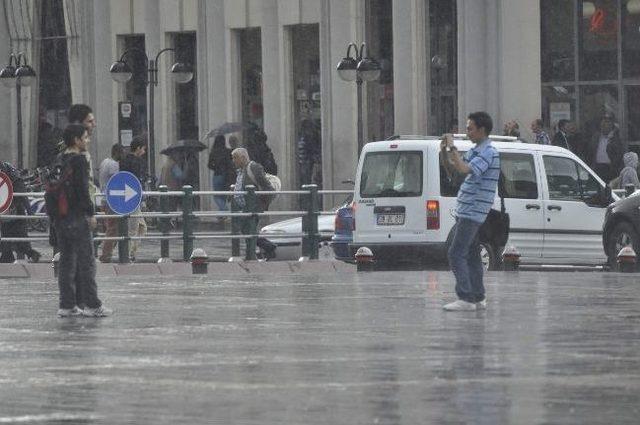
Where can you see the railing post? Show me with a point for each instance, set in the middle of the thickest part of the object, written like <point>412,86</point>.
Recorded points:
<point>235,227</point>
<point>165,223</point>
<point>251,205</point>
<point>310,239</point>
<point>123,243</point>
<point>187,216</point>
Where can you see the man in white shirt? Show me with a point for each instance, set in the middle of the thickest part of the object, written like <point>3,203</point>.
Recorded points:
<point>607,149</point>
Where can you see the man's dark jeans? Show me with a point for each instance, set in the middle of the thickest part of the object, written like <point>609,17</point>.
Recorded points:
<point>77,267</point>
<point>465,260</point>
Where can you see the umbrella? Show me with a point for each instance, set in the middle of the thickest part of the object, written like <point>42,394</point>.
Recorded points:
<point>226,128</point>
<point>184,146</point>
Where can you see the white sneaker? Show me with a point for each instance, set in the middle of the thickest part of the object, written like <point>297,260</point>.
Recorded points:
<point>69,312</point>
<point>101,311</point>
<point>460,305</point>
<point>482,305</point>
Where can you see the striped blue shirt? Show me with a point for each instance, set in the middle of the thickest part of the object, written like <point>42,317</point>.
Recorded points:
<point>478,190</point>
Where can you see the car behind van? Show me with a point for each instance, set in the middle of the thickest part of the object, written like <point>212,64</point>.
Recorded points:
<point>404,202</point>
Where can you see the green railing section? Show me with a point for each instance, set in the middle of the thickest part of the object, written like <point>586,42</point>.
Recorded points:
<point>244,220</point>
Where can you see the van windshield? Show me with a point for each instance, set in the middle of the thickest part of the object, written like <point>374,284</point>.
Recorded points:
<point>391,174</point>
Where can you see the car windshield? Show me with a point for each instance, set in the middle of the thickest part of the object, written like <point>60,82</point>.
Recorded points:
<point>391,174</point>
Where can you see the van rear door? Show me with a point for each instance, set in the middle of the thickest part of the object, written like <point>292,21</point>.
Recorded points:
<point>389,192</point>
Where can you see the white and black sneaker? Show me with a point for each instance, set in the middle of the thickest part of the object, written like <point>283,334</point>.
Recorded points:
<point>460,305</point>
<point>70,312</point>
<point>101,311</point>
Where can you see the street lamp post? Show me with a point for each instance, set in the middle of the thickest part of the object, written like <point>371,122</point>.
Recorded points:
<point>19,74</point>
<point>358,69</point>
<point>121,72</point>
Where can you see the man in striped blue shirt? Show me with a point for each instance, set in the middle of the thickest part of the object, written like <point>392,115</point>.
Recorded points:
<point>481,165</point>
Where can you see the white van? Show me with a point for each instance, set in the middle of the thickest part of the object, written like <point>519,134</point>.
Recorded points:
<point>404,202</point>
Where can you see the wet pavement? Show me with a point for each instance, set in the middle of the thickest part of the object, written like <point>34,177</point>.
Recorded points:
<point>368,348</point>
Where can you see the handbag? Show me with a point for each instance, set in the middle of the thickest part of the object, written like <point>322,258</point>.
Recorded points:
<point>495,229</point>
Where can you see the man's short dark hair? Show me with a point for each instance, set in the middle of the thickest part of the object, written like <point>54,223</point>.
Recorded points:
<point>482,120</point>
<point>562,124</point>
<point>72,132</point>
<point>138,141</point>
<point>117,152</point>
<point>78,113</point>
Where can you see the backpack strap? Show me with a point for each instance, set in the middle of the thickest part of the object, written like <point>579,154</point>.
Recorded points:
<point>501,192</point>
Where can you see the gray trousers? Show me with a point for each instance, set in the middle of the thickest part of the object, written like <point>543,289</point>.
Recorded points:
<point>77,267</point>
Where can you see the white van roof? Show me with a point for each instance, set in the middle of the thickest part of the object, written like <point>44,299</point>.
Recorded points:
<point>500,142</point>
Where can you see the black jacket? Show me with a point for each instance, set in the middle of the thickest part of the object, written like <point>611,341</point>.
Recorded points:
<point>78,193</point>
<point>135,165</point>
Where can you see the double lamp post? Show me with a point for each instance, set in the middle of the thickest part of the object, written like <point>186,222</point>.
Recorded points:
<point>121,72</point>
<point>359,69</point>
<point>18,74</point>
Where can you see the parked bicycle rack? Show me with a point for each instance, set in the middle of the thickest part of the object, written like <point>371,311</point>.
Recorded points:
<point>310,234</point>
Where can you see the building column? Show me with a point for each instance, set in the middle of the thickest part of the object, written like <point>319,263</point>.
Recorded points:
<point>409,67</point>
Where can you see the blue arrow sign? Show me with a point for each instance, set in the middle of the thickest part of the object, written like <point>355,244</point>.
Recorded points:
<point>123,193</point>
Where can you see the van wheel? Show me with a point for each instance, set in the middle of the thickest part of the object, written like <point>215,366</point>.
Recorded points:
<point>623,234</point>
<point>489,259</point>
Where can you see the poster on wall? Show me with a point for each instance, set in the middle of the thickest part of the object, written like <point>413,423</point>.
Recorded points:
<point>559,111</point>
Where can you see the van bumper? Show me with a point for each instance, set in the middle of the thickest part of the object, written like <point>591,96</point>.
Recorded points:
<point>393,253</point>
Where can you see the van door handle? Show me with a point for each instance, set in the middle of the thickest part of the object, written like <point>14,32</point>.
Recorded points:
<point>533,206</point>
<point>554,207</point>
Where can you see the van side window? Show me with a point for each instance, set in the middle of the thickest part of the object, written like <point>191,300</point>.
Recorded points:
<point>519,172</point>
<point>568,180</point>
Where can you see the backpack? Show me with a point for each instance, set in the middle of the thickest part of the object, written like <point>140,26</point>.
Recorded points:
<point>274,181</point>
<point>56,189</point>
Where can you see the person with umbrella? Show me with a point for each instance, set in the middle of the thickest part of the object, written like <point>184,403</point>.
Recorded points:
<point>223,170</point>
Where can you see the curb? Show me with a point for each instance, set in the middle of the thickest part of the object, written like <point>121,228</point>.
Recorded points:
<point>45,271</point>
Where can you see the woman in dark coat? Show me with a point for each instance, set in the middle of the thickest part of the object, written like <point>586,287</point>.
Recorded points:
<point>223,170</point>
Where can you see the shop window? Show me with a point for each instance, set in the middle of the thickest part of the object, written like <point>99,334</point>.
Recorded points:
<point>631,39</point>
<point>596,100</point>
<point>251,75</point>
<point>443,53</point>
<point>380,98</point>
<point>598,39</point>
<point>305,51</point>
<point>633,112</point>
<point>558,102</point>
<point>557,47</point>
<point>136,87</point>
<point>186,94</point>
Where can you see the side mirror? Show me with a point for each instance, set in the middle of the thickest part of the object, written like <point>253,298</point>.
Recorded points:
<point>629,189</point>
<point>351,182</point>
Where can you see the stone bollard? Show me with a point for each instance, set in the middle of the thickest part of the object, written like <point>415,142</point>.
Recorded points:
<point>511,259</point>
<point>364,259</point>
<point>627,260</point>
<point>199,263</point>
<point>55,263</point>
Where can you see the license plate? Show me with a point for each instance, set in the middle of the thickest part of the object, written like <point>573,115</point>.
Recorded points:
<point>390,219</point>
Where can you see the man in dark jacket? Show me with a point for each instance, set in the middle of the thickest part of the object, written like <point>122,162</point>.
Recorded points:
<point>77,273</point>
<point>134,163</point>
<point>561,138</point>
<point>606,149</point>
<point>259,151</point>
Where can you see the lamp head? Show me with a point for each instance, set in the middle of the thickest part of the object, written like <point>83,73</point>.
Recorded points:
<point>8,76</point>
<point>120,72</point>
<point>369,69</point>
<point>26,75</point>
<point>347,68</point>
<point>181,72</point>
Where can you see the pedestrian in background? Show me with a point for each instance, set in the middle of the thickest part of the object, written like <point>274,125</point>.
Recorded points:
<point>512,129</point>
<point>606,149</point>
<point>77,267</point>
<point>16,228</point>
<point>259,151</point>
<point>134,163</point>
<point>629,174</point>
<point>172,176</point>
<point>481,165</point>
<point>541,136</point>
<point>221,164</point>
<point>561,138</point>
<point>251,173</point>
<point>107,169</point>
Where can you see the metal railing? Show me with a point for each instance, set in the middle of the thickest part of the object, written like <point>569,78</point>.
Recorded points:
<point>244,220</point>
